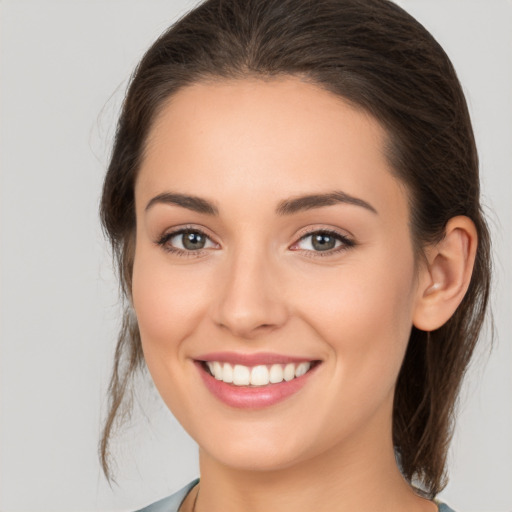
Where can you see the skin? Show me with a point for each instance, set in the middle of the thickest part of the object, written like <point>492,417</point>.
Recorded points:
<point>259,286</point>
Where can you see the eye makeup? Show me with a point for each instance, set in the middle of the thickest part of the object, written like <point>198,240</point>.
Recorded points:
<point>190,236</point>
<point>318,242</point>
<point>322,240</point>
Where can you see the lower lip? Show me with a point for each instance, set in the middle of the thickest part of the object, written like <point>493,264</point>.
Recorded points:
<point>257,397</point>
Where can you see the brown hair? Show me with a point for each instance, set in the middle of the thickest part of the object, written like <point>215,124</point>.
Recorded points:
<point>380,59</point>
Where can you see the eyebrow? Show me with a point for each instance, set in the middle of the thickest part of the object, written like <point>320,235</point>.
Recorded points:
<point>297,204</point>
<point>194,203</point>
<point>286,207</point>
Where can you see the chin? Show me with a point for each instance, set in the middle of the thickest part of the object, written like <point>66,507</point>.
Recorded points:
<point>255,453</point>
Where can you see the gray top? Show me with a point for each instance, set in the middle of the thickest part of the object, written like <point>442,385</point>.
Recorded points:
<point>172,503</point>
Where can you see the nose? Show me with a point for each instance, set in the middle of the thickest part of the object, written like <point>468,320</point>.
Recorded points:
<point>251,297</point>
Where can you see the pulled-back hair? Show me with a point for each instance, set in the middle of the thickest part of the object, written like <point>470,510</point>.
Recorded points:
<point>382,61</point>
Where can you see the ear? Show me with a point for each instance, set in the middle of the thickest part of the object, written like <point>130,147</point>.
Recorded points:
<point>446,276</point>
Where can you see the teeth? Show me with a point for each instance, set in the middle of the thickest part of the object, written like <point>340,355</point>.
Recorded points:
<point>289,372</point>
<point>301,369</point>
<point>227,373</point>
<point>260,375</point>
<point>241,375</point>
<point>276,373</point>
<point>217,370</point>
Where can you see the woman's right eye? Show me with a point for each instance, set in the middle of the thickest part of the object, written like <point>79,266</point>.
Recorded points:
<point>186,241</point>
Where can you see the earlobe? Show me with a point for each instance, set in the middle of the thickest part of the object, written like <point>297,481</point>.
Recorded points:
<point>446,276</point>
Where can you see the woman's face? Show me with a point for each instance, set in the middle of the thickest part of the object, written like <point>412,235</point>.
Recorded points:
<point>270,233</point>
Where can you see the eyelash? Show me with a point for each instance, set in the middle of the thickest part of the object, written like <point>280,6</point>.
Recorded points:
<point>346,243</point>
<point>164,239</point>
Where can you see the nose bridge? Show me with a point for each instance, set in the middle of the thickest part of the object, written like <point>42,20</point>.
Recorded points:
<point>250,298</point>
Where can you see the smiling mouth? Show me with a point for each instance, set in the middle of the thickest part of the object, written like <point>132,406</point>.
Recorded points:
<point>259,375</point>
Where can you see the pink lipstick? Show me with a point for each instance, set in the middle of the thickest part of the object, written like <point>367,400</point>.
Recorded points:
<point>251,359</point>
<point>254,381</point>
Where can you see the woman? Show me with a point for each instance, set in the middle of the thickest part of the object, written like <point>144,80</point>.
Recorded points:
<point>293,199</point>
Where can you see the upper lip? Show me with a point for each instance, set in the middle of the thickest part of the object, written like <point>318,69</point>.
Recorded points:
<point>258,358</point>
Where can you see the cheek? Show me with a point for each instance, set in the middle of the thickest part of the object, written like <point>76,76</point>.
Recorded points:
<point>364,312</point>
<point>364,315</point>
<point>168,301</point>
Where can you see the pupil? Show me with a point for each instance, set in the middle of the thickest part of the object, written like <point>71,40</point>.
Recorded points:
<point>193,241</point>
<point>323,242</point>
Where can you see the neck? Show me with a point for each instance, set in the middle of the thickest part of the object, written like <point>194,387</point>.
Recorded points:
<point>363,478</point>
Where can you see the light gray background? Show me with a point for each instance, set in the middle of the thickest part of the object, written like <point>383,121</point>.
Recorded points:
<point>64,66</point>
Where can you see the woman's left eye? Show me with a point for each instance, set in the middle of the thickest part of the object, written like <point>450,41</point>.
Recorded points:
<point>323,241</point>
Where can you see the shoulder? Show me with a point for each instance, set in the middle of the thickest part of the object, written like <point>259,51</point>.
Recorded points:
<point>171,503</point>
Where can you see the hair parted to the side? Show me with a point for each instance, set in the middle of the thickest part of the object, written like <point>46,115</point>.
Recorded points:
<point>380,59</point>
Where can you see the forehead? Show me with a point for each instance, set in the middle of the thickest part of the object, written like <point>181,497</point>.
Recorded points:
<point>253,138</point>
